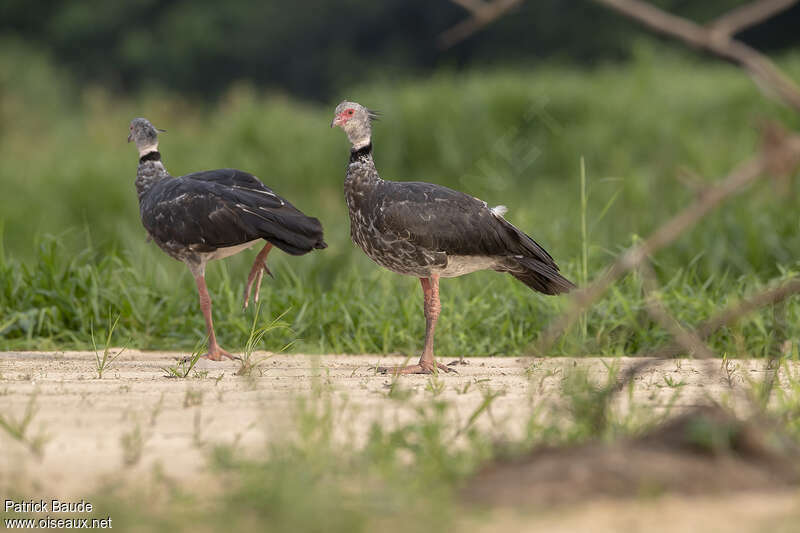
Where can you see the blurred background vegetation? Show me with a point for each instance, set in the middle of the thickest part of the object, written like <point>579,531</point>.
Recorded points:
<point>506,116</point>
<point>319,48</point>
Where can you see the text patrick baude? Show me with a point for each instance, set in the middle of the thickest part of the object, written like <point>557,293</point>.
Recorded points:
<point>47,506</point>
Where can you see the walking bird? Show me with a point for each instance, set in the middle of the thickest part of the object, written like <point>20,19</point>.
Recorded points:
<point>429,231</point>
<point>214,214</point>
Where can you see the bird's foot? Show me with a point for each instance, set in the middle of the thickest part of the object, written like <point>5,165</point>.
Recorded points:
<point>214,354</point>
<point>218,354</point>
<point>419,368</point>
<point>255,277</point>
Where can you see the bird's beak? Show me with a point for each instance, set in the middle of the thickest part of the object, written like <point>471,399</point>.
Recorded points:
<point>130,137</point>
<point>338,120</point>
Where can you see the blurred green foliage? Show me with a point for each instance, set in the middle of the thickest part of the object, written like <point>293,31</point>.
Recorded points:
<point>318,48</point>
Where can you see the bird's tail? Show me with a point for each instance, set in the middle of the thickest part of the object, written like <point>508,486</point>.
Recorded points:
<point>294,233</point>
<point>539,276</point>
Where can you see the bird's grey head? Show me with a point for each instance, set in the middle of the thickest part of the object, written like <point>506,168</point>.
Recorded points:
<point>356,121</point>
<point>144,134</point>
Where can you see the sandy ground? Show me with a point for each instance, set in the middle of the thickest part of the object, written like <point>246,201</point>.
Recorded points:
<point>91,426</point>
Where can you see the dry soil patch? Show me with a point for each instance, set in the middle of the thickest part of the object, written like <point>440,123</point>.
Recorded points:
<point>89,423</point>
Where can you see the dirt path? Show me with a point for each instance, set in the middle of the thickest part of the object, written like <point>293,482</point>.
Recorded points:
<point>135,419</point>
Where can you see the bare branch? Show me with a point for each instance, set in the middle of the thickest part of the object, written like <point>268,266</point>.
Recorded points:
<point>785,149</point>
<point>661,21</point>
<point>687,339</point>
<point>748,15</point>
<point>780,154</point>
<point>473,6</point>
<point>732,313</point>
<point>743,176</point>
<point>728,316</point>
<point>764,72</point>
<point>483,14</point>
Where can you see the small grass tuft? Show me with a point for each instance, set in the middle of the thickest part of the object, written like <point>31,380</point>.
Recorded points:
<point>192,398</point>
<point>104,363</point>
<point>133,442</point>
<point>19,429</point>
<point>249,362</point>
<point>184,366</point>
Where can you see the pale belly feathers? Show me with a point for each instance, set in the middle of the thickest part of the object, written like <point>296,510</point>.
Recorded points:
<point>222,253</point>
<point>458,265</point>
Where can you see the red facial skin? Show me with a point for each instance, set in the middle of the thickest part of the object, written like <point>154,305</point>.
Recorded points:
<point>343,117</point>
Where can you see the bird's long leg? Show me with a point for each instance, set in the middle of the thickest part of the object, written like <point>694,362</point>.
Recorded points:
<point>432,309</point>
<point>215,353</point>
<point>427,363</point>
<point>256,273</point>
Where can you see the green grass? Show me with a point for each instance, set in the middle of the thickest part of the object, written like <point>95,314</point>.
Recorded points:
<point>73,249</point>
<point>53,302</point>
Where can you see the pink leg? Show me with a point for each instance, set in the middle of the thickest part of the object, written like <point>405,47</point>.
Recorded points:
<point>256,273</point>
<point>215,353</point>
<point>427,363</point>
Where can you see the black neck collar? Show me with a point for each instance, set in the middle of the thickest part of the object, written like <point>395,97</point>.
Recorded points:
<point>150,156</point>
<point>361,152</point>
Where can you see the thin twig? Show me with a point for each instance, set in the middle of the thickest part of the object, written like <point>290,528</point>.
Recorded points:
<point>741,177</point>
<point>766,75</point>
<point>483,14</point>
<point>786,149</point>
<point>731,314</point>
<point>780,154</point>
<point>692,342</point>
<point>688,340</point>
<point>716,37</point>
<point>728,316</point>
<point>472,6</point>
<point>748,15</point>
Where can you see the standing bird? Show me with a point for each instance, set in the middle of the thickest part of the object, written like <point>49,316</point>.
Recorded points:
<point>212,215</point>
<point>429,231</point>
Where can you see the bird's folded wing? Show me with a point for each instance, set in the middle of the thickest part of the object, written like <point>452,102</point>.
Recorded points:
<point>227,207</point>
<point>240,185</point>
<point>442,219</point>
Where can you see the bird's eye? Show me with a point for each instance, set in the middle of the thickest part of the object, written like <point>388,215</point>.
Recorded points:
<point>350,111</point>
